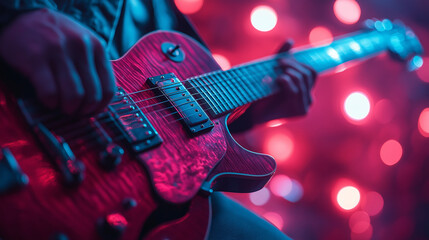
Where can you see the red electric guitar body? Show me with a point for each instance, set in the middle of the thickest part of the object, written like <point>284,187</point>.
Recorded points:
<point>169,173</point>
<point>145,167</point>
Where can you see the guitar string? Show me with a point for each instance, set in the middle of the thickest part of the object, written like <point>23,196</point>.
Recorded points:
<point>320,52</point>
<point>252,76</point>
<point>207,97</point>
<point>116,138</point>
<point>210,107</point>
<point>216,82</point>
<point>100,119</point>
<point>307,59</point>
<point>204,85</point>
<point>202,89</point>
<point>235,79</point>
<point>210,83</point>
<point>311,53</point>
<point>197,113</point>
<point>227,109</point>
<point>268,59</point>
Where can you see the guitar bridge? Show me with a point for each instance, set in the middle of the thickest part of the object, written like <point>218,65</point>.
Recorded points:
<point>137,129</point>
<point>190,111</point>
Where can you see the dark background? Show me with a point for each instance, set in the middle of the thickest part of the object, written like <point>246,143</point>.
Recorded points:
<point>327,150</point>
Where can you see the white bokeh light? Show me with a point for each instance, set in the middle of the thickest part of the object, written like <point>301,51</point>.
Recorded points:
<point>357,106</point>
<point>348,197</point>
<point>260,197</point>
<point>263,18</point>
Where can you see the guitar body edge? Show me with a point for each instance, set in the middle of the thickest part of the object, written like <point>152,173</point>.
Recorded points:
<point>240,169</point>
<point>45,207</point>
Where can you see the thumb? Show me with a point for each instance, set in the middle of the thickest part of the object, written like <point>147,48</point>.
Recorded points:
<point>286,46</point>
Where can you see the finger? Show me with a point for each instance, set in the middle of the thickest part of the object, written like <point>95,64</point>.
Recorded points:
<point>105,74</point>
<point>305,72</point>
<point>287,84</point>
<point>71,91</point>
<point>45,86</point>
<point>312,70</point>
<point>291,62</point>
<point>85,66</point>
<point>298,79</point>
<point>286,46</point>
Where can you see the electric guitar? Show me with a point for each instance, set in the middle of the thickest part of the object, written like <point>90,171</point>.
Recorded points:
<point>145,167</point>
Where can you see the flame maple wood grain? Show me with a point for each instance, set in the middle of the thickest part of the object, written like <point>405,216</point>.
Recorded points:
<point>171,173</point>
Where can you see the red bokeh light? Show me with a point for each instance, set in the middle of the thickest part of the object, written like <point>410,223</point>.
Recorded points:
<point>347,11</point>
<point>320,36</point>
<point>189,6</point>
<point>372,203</point>
<point>260,197</point>
<point>296,192</point>
<point>391,152</point>
<point>366,235</point>
<point>280,146</point>
<point>384,111</point>
<point>276,122</point>
<point>424,122</point>
<point>275,219</point>
<point>281,185</point>
<point>222,61</point>
<point>116,219</point>
<point>423,71</point>
<point>359,222</point>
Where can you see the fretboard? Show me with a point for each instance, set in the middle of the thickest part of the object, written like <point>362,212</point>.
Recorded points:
<point>224,91</point>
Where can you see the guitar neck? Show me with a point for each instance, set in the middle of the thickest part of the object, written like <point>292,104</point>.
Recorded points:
<point>224,91</point>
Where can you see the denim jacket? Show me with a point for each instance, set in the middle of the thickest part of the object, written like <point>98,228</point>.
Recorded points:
<point>118,22</point>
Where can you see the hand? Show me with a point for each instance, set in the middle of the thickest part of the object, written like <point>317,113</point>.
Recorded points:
<point>64,61</point>
<point>296,81</point>
<point>294,99</point>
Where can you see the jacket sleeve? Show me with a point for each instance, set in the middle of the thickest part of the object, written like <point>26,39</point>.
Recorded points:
<point>10,9</point>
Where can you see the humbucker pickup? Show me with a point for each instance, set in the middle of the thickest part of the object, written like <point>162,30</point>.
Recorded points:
<point>139,132</point>
<point>194,117</point>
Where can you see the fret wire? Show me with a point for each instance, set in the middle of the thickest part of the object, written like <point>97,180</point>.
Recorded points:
<point>323,59</point>
<point>256,77</point>
<point>229,95</point>
<point>317,60</point>
<point>246,81</point>
<point>249,85</point>
<point>195,85</point>
<point>376,39</point>
<point>243,91</point>
<point>230,87</point>
<point>221,90</point>
<point>204,95</point>
<point>253,83</point>
<point>220,98</point>
<point>270,68</point>
<point>222,86</point>
<point>233,87</point>
<point>208,88</point>
<point>269,72</point>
